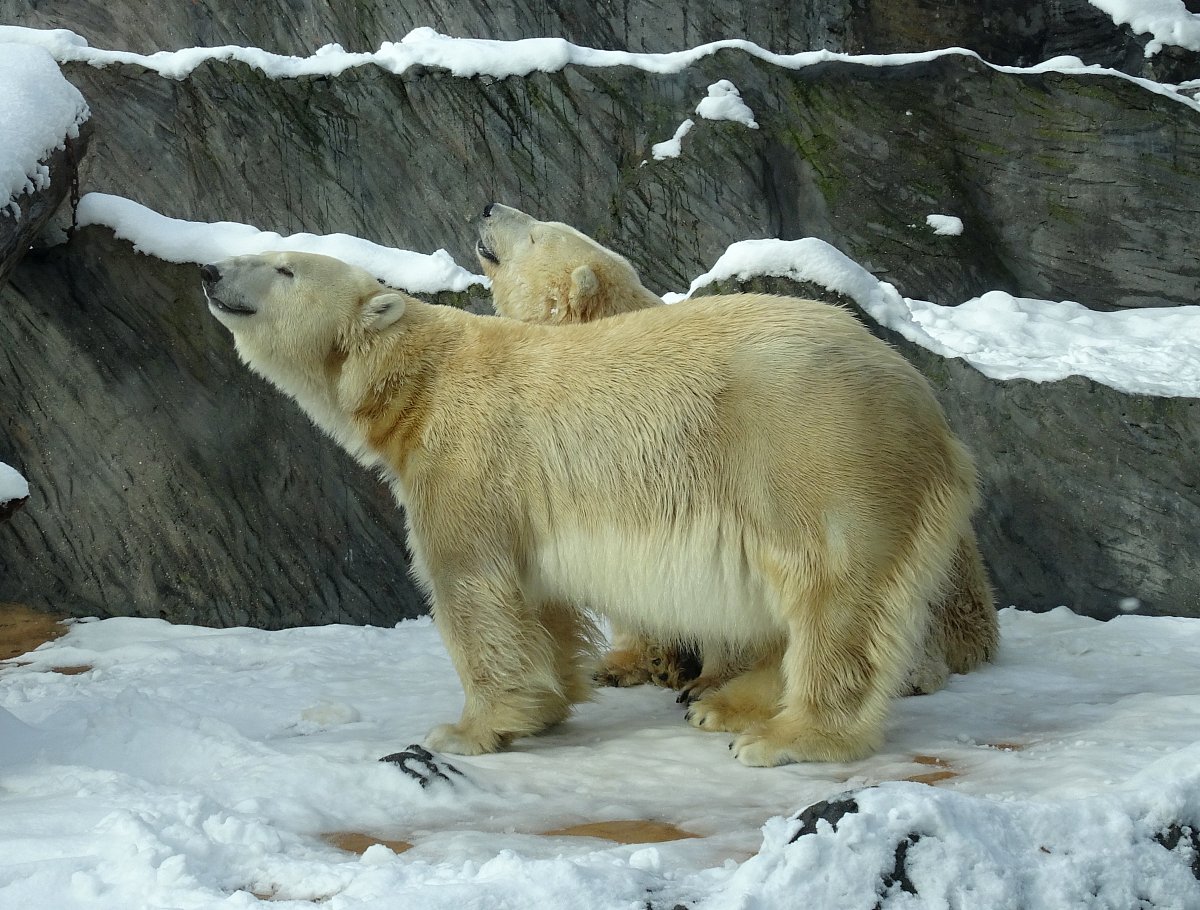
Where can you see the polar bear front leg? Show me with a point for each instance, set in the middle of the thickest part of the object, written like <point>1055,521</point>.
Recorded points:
<point>507,662</point>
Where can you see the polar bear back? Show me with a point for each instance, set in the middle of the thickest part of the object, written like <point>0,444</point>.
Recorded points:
<point>653,461</point>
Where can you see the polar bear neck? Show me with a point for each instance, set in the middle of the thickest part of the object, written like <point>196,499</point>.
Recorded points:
<point>317,396</point>
<point>384,381</point>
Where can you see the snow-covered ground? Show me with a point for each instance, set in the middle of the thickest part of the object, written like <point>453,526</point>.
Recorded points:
<point>199,768</point>
<point>192,768</point>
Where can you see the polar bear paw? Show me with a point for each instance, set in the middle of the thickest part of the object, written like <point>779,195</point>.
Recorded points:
<point>460,740</point>
<point>648,662</point>
<point>928,676</point>
<point>758,751</point>
<point>768,745</point>
<point>718,712</point>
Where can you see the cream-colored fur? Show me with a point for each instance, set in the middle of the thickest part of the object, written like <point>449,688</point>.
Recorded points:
<point>746,471</point>
<point>545,271</point>
<point>555,275</point>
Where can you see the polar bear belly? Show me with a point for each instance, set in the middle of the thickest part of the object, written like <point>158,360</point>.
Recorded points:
<point>697,583</point>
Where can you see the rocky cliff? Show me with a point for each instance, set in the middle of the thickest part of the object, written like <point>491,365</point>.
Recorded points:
<point>167,481</point>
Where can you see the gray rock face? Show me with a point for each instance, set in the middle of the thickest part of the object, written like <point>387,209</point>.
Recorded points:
<point>9,507</point>
<point>170,481</point>
<point>1077,187</point>
<point>1011,32</point>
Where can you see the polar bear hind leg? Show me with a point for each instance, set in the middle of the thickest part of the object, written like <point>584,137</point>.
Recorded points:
<point>747,700</point>
<point>854,635</point>
<point>575,644</point>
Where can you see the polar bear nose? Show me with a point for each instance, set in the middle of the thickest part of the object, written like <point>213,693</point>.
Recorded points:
<point>487,209</point>
<point>210,273</point>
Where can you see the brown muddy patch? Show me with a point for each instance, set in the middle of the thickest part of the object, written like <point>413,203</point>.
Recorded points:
<point>355,842</point>
<point>631,831</point>
<point>939,770</point>
<point>636,831</point>
<point>22,629</point>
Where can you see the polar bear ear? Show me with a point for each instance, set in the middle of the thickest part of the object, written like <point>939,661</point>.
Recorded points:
<point>382,310</point>
<point>584,294</point>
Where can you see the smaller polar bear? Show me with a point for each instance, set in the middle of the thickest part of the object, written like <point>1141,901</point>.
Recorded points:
<point>548,272</point>
<point>748,472</point>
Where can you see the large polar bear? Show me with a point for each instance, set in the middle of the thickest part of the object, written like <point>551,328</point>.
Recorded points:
<point>548,272</point>
<point>744,471</point>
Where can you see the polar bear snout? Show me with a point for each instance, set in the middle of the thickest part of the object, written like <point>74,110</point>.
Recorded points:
<point>496,212</point>
<point>222,299</point>
<point>499,227</point>
<point>486,244</point>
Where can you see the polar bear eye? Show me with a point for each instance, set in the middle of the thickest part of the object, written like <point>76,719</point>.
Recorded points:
<point>284,270</point>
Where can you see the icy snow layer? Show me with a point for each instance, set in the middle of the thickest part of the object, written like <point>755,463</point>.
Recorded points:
<point>1152,351</point>
<point>673,147</point>
<point>724,102</point>
<point>12,484</point>
<point>1166,21</point>
<point>1145,351</point>
<point>174,240</point>
<point>38,110</point>
<point>469,57</point>
<point>190,767</point>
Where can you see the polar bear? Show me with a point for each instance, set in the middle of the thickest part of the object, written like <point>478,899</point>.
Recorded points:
<point>549,272</point>
<point>746,471</point>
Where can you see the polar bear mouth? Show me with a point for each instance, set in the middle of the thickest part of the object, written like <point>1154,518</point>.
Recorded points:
<point>216,303</point>
<point>485,252</point>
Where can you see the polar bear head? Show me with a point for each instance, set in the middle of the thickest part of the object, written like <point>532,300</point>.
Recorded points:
<point>546,271</point>
<point>289,312</point>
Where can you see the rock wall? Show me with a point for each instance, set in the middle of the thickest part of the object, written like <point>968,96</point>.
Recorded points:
<point>1010,32</point>
<point>165,479</point>
<point>170,482</point>
<point>1070,186</point>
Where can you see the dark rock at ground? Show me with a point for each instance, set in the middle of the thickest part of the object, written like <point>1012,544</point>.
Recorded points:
<point>9,507</point>
<point>1175,836</point>
<point>897,878</point>
<point>831,811</point>
<point>19,232</point>
<point>421,765</point>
